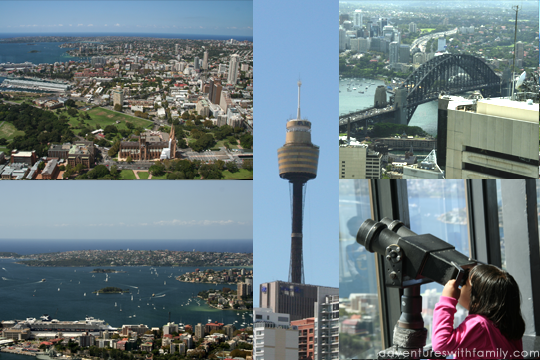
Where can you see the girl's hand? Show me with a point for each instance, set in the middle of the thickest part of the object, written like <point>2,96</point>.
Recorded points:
<point>451,289</point>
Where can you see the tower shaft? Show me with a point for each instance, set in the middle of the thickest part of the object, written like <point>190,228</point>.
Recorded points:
<point>296,270</point>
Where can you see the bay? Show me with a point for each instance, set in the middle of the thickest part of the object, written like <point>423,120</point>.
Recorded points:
<point>155,293</point>
<point>49,53</point>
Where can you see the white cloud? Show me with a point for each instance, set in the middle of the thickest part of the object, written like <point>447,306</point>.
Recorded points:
<point>79,24</point>
<point>90,24</point>
<point>70,25</point>
<point>58,25</point>
<point>116,24</point>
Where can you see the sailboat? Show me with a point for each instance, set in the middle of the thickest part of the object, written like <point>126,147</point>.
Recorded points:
<point>115,305</point>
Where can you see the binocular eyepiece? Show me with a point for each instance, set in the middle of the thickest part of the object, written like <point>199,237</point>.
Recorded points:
<point>410,258</point>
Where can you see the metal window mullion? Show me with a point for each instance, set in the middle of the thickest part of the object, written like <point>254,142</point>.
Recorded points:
<point>520,219</point>
<point>483,212</point>
<point>388,199</point>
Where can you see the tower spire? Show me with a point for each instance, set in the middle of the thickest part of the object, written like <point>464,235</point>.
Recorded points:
<point>298,114</point>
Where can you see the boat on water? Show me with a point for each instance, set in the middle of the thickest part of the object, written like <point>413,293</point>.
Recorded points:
<point>46,323</point>
<point>43,280</point>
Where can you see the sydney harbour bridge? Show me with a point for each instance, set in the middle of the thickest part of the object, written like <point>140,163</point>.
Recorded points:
<point>447,73</point>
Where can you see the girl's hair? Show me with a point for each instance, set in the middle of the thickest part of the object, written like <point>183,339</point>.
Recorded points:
<point>495,295</point>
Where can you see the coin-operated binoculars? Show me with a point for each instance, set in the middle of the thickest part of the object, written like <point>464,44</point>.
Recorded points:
<point>411,260</point>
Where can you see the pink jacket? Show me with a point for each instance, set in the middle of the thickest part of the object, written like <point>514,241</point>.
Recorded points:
<point>475,338</point>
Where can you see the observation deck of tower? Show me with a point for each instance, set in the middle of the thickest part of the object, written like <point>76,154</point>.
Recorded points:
<point>298,160</point>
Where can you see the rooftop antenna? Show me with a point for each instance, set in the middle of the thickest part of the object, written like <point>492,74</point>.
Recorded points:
<point>516,9</point>
<point>299,85</point>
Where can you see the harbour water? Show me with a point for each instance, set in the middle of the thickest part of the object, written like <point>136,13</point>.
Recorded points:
<point>66,294</point>
<point>49,53</point>
<point>425,115</point>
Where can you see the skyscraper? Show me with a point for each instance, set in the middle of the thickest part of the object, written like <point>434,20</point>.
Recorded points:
<point>519,51</point>
<point>196,63</point>
<point>233,70</point>
<point>358,18</point>
<point>394,52</point>
<point>297,160</point>
<point>205,61</point>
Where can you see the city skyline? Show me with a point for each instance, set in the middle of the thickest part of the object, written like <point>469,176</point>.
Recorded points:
<point>277,102</point>
<point>127,211</point>
<point>182,17</point>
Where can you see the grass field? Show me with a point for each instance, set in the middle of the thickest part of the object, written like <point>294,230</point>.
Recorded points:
<point>105,117</point>
<point>143,175</point>
<point>162,177</point>
<point>220,144</point>
<point>242,174</point>
<point>8,131</point>
<point>127,175</point>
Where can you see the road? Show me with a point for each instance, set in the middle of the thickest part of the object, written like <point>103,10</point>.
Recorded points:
<point>422,41</point>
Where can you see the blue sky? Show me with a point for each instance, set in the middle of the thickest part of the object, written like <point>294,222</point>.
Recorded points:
<point>295,39</point>
<point>162,17</point>
<point>129,210</point>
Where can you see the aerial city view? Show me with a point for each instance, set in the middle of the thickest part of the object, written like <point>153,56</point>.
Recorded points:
<point>173,284</point>
<point>436,90</point>
<point>141,95</point>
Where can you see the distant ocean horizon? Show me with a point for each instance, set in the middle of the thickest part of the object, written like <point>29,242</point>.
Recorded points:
<point>166,36</point>
<point>33,246</point>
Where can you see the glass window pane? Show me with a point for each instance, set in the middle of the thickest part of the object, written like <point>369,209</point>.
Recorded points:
<point>438,207</point>
<point>360,328</point>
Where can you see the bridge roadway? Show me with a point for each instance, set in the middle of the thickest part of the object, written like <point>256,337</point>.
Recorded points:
<point>364,114</point>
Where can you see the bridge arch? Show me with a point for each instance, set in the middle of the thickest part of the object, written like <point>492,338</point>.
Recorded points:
<point>451,73</point>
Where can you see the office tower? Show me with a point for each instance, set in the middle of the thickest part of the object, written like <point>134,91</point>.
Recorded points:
<point>233,70</point>
<point>358,18</point>
<point>342,40</point>
<point>519,51</point>
<point>205,61</point>
<point>404,54</point>
<point>441,44</point>
<point>196,63</point>
<point>490,138</point>
<point>357,161</point>
<point>297,161</point>
<point>394,52</point>
<point>176,48</point>
<point>412,27</point>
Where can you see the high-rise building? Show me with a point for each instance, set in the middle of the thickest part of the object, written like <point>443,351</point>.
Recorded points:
<point>233,70</point>
<point>357,161</point>
<point>177,48</point>
<point>342,40</point>
<point>357,19</point>
<point>297,161</point>
<point>327,324</point>
<point>118,97</point>
<point>519,51</point>
<point>306,334</point>
<point>490,138</point>
<point>404,54</point>
<point>98,61</point>
<point>199,331</point>
<point>273,337</point>
<point>394,52</point>
<point>441,44</point>
<point>205,61</point>
<point>412,27</point>
<point>196,63</point>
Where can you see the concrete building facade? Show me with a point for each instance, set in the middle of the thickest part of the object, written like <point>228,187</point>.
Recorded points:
<point>491,139</point>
